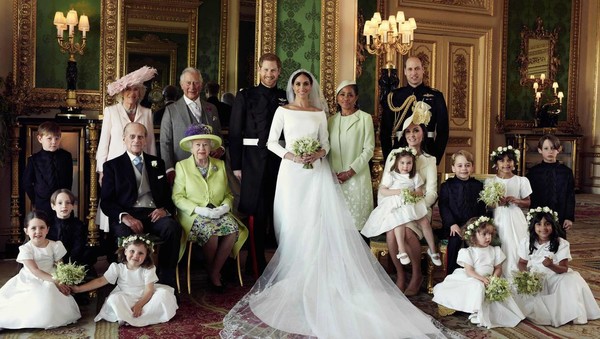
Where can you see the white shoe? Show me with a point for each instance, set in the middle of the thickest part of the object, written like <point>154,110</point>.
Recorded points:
<point>403,257</point>
<point>474,318</point>
<point>435,258</point>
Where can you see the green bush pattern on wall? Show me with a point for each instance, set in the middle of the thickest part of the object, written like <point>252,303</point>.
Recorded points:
<point>209,23</point>
<point>554,13</point>
<point>298,37</point>
<point>368,79</point>
<point>48,57</point>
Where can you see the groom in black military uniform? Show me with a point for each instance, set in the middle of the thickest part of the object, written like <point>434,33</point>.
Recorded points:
<point>252,163</point>
<point>398,105</point>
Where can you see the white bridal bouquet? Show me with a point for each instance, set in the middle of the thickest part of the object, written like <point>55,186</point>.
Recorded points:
<point>529,283</point>
<point>491,194</point>
<point>305,146</point>
<point>69,274</point>
<point>497,289</point>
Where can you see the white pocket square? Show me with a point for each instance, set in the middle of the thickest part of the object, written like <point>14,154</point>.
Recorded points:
<point>160,176</point>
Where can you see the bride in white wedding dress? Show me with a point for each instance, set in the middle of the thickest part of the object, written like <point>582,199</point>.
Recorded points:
<point>323,280</point>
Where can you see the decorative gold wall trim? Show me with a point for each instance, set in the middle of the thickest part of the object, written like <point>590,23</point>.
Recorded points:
<point>329,49</point>
<point>465,6</point>
<point>460,85</point>
<point>223,45</point>
<point>24,44</point>
<point>460,142</point>
<point>266,28</point>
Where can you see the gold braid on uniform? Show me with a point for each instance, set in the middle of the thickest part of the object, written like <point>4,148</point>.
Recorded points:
<point>404,108</point>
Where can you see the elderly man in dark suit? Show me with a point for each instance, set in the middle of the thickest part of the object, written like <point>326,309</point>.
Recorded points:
<point>137,199</point>
<point>180,115</point>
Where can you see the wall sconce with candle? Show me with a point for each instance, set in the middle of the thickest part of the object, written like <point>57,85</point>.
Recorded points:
<point>546,114</point>
<point>69,45</point>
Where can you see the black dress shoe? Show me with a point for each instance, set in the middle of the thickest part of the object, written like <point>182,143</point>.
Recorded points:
<point>220,289</point>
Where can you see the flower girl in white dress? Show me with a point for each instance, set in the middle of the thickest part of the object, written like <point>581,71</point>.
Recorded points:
<point>32,299</point>
<point>401,202</point>
<point>137,300</point>
<point>464,289</point>
<point>565,296</point>
<point>508,216</point>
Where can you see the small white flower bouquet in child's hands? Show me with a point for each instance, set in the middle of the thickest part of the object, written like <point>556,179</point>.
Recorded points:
<point>497,289</point>
<point>305,146</point>
<point>69,274</point>
<point>409,197</point>
<point>529,283</point>
<point>492,193</point>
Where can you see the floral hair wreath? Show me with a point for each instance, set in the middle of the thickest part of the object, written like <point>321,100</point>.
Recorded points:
<point>405,149</point>
<point>532,213</point>
<point>502,150</point>
<point>475,225</point>
<point>132,238</point>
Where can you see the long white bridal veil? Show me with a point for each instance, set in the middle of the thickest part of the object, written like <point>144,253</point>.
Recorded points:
<point>317,99</point>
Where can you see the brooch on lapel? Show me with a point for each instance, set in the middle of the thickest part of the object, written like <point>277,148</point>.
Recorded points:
<point>154,163</point>
<point>214,168</point>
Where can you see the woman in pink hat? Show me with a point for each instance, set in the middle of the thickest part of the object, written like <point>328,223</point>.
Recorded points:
<point>129,91</point>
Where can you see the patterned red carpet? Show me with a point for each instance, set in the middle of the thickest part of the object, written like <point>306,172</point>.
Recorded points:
<point>200,314</point>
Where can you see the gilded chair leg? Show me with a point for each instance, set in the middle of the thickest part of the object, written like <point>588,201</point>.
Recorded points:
<point>239,270</point>
<point>430,269</point>
<point>177,278</point>
<point>189,284</point>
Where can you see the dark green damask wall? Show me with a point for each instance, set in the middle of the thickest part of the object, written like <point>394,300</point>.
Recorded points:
<point>209,21</point>
<point>298,37</point>
<point>554,13</point>
<point>367,80</point>
<point>48,58</point>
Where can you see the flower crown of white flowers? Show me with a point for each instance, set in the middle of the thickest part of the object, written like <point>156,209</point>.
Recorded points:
<point>472,227</point>
<point>534,211</point>
<point>405,149</point>
<point>502,150</point>
<point>130,239</point>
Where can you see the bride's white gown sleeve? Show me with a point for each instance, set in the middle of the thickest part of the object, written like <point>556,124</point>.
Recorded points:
<point>323,280</point>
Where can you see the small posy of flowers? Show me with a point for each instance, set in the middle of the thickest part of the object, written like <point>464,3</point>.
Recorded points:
<point>472,228</point>
<point>532,212</point>
<point>506,149</point>
<point>154,163</point>
<point>305,146</point>
<point>497,290</point>
<point>130,239</point>
<point>529,283</point>
<point>69,274</point>
<point>409,197</point>
<point>492,192</point>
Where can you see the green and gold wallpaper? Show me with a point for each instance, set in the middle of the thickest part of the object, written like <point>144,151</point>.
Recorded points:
<point>554,13</point>
<point>209,24</point>
<point>48,57</point>
<point>298,37</point>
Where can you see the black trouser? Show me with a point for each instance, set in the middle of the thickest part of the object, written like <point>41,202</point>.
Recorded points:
<point>455,243</point>
<point>169,232</point>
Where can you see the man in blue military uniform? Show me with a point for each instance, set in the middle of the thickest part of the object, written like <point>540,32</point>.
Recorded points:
<point>398,105</point>
<point>252,163</point>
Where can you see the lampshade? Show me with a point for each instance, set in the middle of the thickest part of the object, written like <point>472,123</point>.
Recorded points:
<point>400,17</point>
<point>84,23</point>
<point>413,23</point>
<point>72,18</point>
<point>59,19</point>
<point>376,18</point>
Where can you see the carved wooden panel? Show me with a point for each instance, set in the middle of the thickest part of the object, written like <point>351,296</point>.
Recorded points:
<point>460,86</point>
<point>465,6</point>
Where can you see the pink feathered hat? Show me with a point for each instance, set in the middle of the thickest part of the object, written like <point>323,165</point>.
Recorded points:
<point>134,78</point>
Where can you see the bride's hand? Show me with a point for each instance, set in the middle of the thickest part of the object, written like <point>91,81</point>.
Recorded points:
<point>310,158</point>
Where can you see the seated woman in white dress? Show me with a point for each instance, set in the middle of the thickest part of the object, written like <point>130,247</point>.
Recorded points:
<point>32,298</point>
<point>137,300</point>
<point>402,202</point>
<point>565,295</point>
<point>464,289</point>
<point>322,277</point>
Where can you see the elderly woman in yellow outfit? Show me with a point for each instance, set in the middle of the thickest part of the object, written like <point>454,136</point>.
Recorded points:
<point>204,200</point>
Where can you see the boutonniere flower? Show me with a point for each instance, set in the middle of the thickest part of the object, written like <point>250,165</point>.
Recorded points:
<point>154,163</point>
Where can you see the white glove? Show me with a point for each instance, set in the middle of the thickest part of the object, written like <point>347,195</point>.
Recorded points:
<point>221,210</point>
<point>204,211</point>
